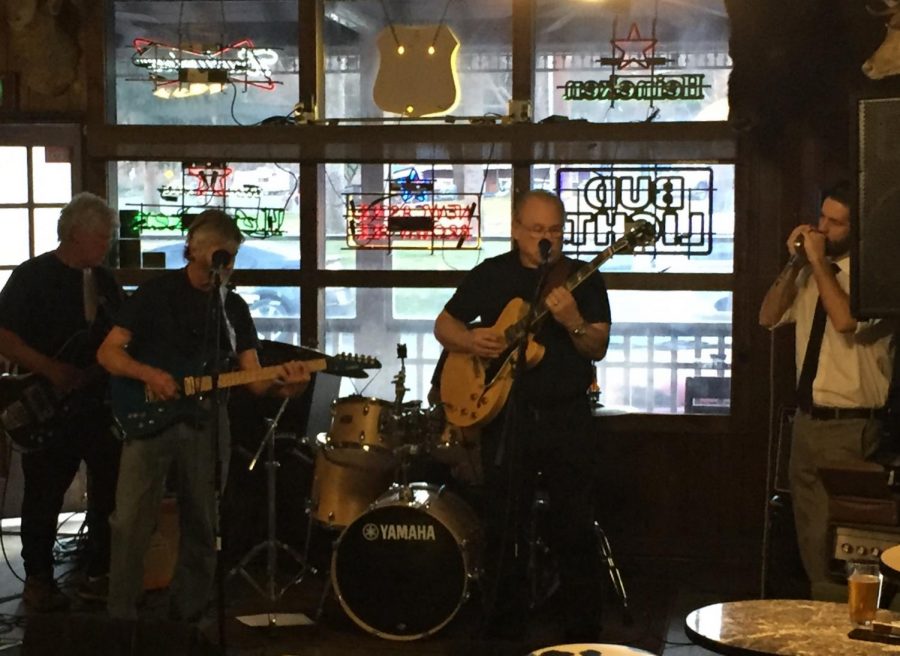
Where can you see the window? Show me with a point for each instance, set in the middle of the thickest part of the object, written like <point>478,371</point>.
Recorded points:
<point>484,63</point>
<point>654,61</point>
<point>38,182</point>
<point>204,63</point>
<point>660,338</point>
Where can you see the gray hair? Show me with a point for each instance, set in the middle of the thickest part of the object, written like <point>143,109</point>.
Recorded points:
<point>540,194</point>
<point>87,211</point>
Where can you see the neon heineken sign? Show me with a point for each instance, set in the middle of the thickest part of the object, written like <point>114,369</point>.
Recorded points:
<point>636,52</point>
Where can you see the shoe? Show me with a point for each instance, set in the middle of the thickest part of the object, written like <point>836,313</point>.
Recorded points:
<point>94,588</point>
<point>42,595</point>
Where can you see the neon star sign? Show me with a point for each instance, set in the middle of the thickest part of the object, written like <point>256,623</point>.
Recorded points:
<point>634,50</point>
<point>181,71</point>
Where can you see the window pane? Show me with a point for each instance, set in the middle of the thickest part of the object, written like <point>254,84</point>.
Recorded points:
<point>238,61</point>
<point>52,174</point>
<point>654,61</point>
<point>14,228</point>
<point>484,72</point>
<point>692,204</point>
<point>416,217</point>
<point>263,197</point>
<point>45,220</point>
<point>658,340</point>
<point>14,173</point>
<point>383,319</point>
<point>275,311</point>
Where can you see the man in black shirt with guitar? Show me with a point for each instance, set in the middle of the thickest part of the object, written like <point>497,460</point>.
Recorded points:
<point>54,312</point>
<point>539,423</point>
<point>164,345</point>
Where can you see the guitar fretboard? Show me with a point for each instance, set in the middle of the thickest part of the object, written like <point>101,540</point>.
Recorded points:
<point>199,384</point>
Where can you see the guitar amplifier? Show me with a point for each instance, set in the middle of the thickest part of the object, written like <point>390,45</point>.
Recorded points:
<point>863,542</point>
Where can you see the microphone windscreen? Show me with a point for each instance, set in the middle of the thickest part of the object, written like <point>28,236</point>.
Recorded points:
<point>544,247</point>
<point>221,258</point>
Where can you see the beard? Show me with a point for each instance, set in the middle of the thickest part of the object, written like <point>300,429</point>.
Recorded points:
<point>837,248</point>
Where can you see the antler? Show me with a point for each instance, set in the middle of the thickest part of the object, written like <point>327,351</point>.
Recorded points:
<point>886,8</point>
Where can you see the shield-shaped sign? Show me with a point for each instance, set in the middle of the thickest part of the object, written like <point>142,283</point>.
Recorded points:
<point>417,73</point>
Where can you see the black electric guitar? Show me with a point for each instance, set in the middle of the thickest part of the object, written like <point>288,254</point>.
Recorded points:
<point>140,416</point>
<point>33,411</point>
<point>474,389</point>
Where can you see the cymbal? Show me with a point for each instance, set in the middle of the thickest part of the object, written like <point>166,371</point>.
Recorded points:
<point>272,352</point>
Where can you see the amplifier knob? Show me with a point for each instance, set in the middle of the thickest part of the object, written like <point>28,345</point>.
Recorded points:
<point>861,550</point>
<point>876,551</point>
<point>846,548</point>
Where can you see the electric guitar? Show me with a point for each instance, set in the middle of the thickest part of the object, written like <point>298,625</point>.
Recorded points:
<point>33,412</point>
<point>139,415</point>
<point>474,389</point>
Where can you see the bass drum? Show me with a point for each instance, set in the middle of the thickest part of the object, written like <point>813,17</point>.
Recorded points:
<point>403,569</point>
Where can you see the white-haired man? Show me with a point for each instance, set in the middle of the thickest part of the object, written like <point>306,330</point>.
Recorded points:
<point>54,311</point>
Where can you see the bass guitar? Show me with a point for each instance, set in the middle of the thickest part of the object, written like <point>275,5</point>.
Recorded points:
<point>139,415</point>
<point>474,389</point>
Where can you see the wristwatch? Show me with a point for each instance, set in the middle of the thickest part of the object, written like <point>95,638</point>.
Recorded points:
<point>580,329</point>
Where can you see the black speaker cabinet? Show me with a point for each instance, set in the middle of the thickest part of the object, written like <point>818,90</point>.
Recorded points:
<point>874,288</point>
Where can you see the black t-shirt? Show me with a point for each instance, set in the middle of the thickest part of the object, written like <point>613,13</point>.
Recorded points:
<point>171,323</point>
<point>43,303</point>
<point>563,372</point>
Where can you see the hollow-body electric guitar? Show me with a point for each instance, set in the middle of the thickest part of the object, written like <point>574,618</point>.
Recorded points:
<point>140,416</point>
<point>474,389</point>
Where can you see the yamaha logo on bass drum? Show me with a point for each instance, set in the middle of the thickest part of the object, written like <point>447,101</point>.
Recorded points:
<point>408,532</point>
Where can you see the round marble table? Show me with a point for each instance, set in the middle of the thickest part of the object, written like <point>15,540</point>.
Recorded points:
<point>781,627</point>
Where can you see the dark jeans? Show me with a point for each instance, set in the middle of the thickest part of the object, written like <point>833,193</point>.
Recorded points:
<point>48,474</point>
<point>556,441</point>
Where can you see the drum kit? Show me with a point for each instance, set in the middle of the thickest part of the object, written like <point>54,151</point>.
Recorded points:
<point>405,553</point>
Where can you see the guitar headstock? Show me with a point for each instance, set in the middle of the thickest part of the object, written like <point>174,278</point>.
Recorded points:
<point>642,233</point>
<point>351,365</point>
<point>360,361</point>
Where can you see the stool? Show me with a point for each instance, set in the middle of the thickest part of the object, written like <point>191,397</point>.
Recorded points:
<point>592,648</point>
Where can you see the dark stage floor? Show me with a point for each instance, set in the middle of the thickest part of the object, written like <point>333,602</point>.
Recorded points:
<point>657,603</point>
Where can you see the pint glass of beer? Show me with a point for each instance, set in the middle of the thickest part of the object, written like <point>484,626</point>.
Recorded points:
<point>864,590</point>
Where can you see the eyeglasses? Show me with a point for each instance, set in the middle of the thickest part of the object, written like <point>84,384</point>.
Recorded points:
<point>540,231</point>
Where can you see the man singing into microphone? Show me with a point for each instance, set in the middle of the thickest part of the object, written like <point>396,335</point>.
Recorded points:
<point>166,330</point>
<point>546,425</point>
<point>843,373</point>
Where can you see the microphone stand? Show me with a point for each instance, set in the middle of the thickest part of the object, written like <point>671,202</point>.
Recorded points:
<point>215,428</point>
<point>507,455</point>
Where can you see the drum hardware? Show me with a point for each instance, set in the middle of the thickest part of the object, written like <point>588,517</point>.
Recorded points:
<point>541,571</point>
<point>271,545</point>
<point>399,380</point>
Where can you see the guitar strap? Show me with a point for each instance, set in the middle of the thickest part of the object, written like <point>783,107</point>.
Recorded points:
<point>91,295</point>
<point>229,329</point>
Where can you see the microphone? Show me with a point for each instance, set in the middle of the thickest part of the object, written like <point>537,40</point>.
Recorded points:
<point>544,247</point>
<point>220,259</point>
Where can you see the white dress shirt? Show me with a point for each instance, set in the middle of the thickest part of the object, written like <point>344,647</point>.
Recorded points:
<point>854,368</point>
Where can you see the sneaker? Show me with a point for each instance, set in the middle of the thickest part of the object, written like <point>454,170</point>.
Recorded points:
<point>94,588</point>
<point>42,595</point>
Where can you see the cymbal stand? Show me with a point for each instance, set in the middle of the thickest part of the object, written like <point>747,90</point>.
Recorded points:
<point>271,545</point>
<point>399,381</point>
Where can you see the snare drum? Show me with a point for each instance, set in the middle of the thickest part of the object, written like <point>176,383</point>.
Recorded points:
<point>361,432</point>
<point>402,569</point>
<point>342,492</point>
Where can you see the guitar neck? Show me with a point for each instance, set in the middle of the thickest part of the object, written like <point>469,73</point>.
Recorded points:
<point>199,384</point>
<point>582,274</point>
